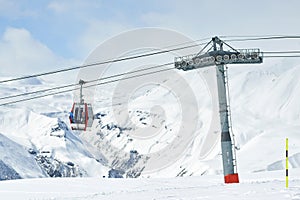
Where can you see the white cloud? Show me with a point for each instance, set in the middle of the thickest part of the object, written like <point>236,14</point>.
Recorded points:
<point>97,32</point>
<point>21,54</point>
<point>57,6</point>
<point>13,9</point>
<point>208,18</point>
<point>77,6</point>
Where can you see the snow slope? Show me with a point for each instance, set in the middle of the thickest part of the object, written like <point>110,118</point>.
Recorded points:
<point>30,139</point>
<point>259,186</point>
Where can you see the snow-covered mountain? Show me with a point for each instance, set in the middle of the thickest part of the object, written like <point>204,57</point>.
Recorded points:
<point>36,140</point>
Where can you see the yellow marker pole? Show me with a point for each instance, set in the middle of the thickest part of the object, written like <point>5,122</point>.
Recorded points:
<point>286,163</point>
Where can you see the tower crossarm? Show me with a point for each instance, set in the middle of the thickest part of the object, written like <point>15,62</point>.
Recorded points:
<point>218,57</point>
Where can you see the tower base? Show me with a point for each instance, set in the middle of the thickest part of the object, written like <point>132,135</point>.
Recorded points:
<point>231,178</point>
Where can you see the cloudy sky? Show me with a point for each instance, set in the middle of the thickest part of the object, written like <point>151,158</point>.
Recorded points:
<point>38,36</point>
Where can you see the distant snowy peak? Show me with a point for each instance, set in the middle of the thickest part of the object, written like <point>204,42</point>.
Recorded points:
<point>16,161</point>
<point>24,82</point>
<point>267,94</point>
<point>32,81</point>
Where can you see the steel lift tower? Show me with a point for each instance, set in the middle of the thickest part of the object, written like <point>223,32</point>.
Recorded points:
<point>212,54</point>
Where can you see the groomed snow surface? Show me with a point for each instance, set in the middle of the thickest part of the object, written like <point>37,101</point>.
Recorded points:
<point>258,186</point>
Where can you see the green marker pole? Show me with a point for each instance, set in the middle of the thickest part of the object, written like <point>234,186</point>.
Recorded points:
<point>286,163</point>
